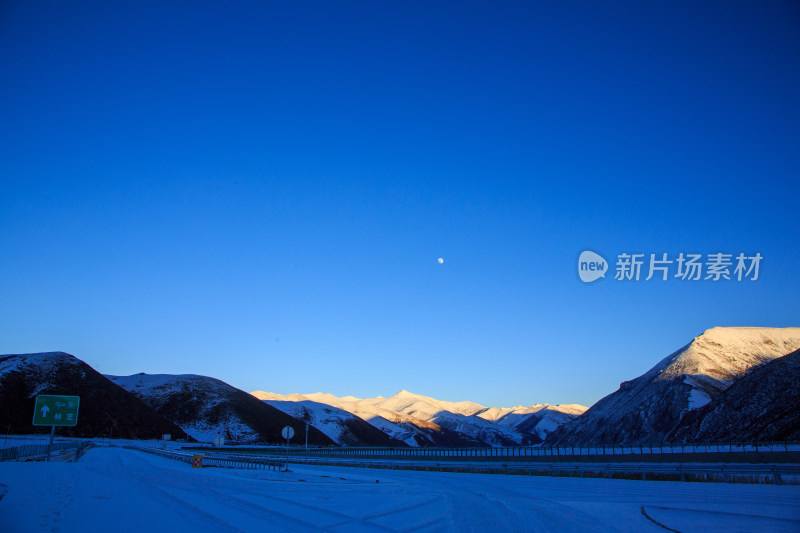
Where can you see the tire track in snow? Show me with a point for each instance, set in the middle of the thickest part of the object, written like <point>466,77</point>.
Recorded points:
<point>192,511</point>
<point>252,508</point>
<point>343,519</point>
<point>656,522</point>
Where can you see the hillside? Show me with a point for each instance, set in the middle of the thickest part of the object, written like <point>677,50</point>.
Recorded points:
<point>764,405</point>
<point>647,408</point>
<point>105,408</point>
<point>206,408</point>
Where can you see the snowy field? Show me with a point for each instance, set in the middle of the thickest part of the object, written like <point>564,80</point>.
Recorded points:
<point>113,489</point>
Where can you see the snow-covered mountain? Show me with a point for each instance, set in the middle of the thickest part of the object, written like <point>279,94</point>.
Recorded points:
<point>402,428</point>
<point>492,426</point>
<point>764,405</point>
<point>421,420</point>
<point>206,408</point>
<point>105,408</point>
<point>540,419</point>
<point>728,383</point>
<point>649,407</point>
<point>409,429</point>
<point>339,425</point>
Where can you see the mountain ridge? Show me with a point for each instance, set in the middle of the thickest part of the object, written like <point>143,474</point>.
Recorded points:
<point>699,389</point>
<point>646,408</point>
<point>105,408</point>
<point>207,407</point>
<point>764,405</point>
<point>420,420</point>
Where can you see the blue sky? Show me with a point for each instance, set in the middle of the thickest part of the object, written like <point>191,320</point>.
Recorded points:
<point>260,191</point>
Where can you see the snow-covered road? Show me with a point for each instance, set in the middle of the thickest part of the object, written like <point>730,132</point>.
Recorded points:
<point>118,490</point>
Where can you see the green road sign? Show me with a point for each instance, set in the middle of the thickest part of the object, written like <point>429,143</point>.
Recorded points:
<point>53,410</point>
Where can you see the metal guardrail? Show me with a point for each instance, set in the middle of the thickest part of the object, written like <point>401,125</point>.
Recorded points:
<point>549,451</point>
<point>737,472</point>
<point>775,473</point>
<point>534,451</point>
<point>218,461</point>
<point>81,451</point>
<point>31,452</point>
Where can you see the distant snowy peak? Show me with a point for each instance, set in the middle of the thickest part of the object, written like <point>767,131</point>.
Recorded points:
<point>401,427</point>
<point>407,394</point>
<point>265,396</point>
<point>325,397</point>
<point>422,420</point>
<point>568,408</point>
<point>341,426</point>
<point>465,408</point>
<point>424,407</point>
<point>320,397</point>
<point>508,414</point>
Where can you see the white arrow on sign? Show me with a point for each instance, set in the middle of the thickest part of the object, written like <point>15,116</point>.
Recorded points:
<point>44,411</point>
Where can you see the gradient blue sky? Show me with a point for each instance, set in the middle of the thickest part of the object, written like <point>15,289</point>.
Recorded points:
<point>260,191</point>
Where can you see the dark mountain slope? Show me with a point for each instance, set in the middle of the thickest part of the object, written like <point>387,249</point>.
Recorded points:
<point>105,407</point>
<point>206,407</point>
<point>648,408</point>
<point>762,406</point>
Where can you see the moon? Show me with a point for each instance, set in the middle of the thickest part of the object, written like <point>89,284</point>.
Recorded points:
<point>440,260</point>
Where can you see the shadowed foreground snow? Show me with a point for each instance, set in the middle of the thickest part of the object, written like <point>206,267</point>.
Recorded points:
<point>119,490</point>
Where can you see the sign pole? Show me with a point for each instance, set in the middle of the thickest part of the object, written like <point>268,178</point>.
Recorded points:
<point>287,432</point>
<point>50,444</point>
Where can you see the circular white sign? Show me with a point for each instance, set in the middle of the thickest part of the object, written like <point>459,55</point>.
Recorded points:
<point>288,432</point>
